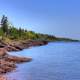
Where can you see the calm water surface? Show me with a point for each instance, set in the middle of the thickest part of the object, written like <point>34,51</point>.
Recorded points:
<point>55,61</point>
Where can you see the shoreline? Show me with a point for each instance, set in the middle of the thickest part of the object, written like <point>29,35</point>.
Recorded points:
<point>8,62</point>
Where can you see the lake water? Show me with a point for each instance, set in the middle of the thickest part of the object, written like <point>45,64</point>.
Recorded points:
<point>55,61</point>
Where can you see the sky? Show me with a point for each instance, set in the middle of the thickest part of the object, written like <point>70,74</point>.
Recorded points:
<point>56,17</point>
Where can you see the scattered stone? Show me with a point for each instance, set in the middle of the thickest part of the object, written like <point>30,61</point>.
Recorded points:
<point>2,52</point>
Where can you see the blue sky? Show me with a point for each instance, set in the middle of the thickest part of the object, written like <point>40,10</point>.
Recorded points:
<point>57,17</point>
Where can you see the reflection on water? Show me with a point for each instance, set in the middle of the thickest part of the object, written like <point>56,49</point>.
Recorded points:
<point>55,61</point>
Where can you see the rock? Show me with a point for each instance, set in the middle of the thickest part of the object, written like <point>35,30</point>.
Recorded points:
<point>17,59</point>
<point>3,77</point>
<point>11,48</point>
<point>6,66</point>
<point>8,62</point>
<point>3,52</point>
<point>18,47</point>
<point>3,62</point>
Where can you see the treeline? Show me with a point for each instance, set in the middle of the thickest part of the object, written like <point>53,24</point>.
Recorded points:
<point>10,32</point>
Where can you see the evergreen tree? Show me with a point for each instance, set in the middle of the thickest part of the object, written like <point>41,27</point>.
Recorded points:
<point>20,31</point>
<point>4,24</point>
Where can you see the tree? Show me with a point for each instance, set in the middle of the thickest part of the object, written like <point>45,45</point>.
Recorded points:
<point>20,31</point>
<point>4,24</point>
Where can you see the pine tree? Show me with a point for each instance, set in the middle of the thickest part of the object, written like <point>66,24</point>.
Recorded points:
<point>4,24</point>
<point>20,32</point>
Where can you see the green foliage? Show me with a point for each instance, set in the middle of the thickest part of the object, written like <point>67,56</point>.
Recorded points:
<point>4,24</point>
<point>14,33</point>
<point>1,32</point>
<point>11,32</point>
